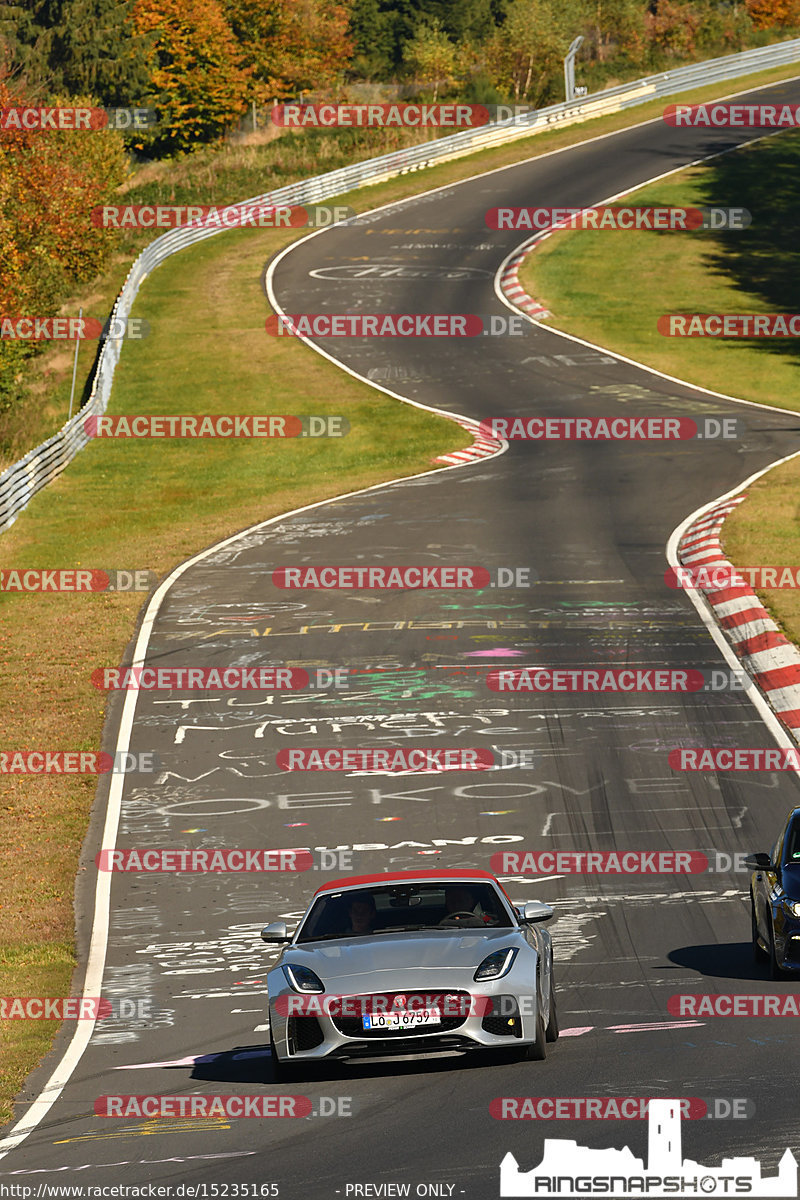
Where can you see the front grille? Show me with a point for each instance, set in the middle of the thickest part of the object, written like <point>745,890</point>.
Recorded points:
<point>503,1020</point>
<point>458,1003</point>
<point>304,1033</point>
<point>792,949</point>
<point>406,1045</point>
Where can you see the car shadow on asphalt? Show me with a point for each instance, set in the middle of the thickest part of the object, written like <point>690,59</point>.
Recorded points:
<point>721,960</point>
<point>253,1064</point>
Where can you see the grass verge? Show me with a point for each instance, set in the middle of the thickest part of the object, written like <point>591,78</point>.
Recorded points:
<point>585,277</point>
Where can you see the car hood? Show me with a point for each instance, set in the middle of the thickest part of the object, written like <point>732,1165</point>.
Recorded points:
<point>415,953</point>
<point>790,879</point>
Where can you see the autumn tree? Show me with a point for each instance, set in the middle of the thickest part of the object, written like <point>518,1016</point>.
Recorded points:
<point>49,182</point>
<point>198,79</point>
<point>432,57</point>
<point>768,13</point>
<point>291,46</point>
<point>525,57</point>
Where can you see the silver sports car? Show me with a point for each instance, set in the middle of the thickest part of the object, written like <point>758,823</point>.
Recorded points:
<point>405,963</point>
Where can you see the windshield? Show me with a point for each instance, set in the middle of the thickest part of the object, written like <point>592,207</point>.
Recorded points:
<point>404,907</point>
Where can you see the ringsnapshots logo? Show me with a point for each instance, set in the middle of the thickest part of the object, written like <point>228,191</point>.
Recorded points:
<point>612,429</point>
<point>220,425</point>
<point>569,1170</point>
<point>213,216</point>
<point>397,325</point>
<point>665,219</point>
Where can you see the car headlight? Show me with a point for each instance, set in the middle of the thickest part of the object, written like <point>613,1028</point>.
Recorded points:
<point>792,906</point>
<point>303,979</point>
<point>495,965</point>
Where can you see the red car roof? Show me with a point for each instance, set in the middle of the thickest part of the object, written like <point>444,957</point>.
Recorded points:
<point>358,881</point>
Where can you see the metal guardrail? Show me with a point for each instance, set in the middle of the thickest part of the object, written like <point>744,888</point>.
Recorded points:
<point>23,479</point>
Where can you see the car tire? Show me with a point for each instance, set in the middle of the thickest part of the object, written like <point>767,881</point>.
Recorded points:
<point>282,1071</point>
<point>552,1024</point>
<point>537,1051</point>
<point>759,953</point>
<point>775,969</point>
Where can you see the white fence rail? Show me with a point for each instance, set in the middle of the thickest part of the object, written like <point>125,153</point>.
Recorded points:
<point>21,481</point>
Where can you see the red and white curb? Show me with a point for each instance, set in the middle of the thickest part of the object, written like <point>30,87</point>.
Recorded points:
<point>482,447</point>
<point>766,653</point>
<point>511,287</point>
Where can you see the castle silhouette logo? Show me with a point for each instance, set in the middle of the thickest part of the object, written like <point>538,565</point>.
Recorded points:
<point>568,1169</point>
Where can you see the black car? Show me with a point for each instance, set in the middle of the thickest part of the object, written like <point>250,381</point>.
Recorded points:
<point>775,901</point>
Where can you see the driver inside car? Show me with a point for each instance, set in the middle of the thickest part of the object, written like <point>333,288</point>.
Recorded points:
<point>459,899</point>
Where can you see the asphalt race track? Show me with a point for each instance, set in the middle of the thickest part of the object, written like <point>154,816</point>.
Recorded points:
<point>591,521</point>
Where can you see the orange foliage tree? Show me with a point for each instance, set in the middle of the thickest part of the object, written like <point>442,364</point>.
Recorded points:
<point>292,45</point>
<point>767,13</point>
<point>199,82</point>
<point>49,182</point>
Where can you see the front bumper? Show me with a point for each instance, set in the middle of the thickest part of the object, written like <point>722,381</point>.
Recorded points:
<point>497,1019</point>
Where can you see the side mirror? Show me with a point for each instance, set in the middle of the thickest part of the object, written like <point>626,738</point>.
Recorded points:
<point>276,932</point>
<point>533,911</point>
<point>758,862</point>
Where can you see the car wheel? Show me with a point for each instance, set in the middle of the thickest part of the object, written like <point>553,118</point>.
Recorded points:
<point>775,970</point>
<point>282,1071</point>
<point>537,1051</point>
<point>552,1024</point>
<point>759,953</point>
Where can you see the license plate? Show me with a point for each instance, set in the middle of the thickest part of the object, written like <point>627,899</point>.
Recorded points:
<point>402,1018</point>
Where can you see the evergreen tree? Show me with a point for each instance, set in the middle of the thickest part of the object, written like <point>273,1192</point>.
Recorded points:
<point>78,47</point>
